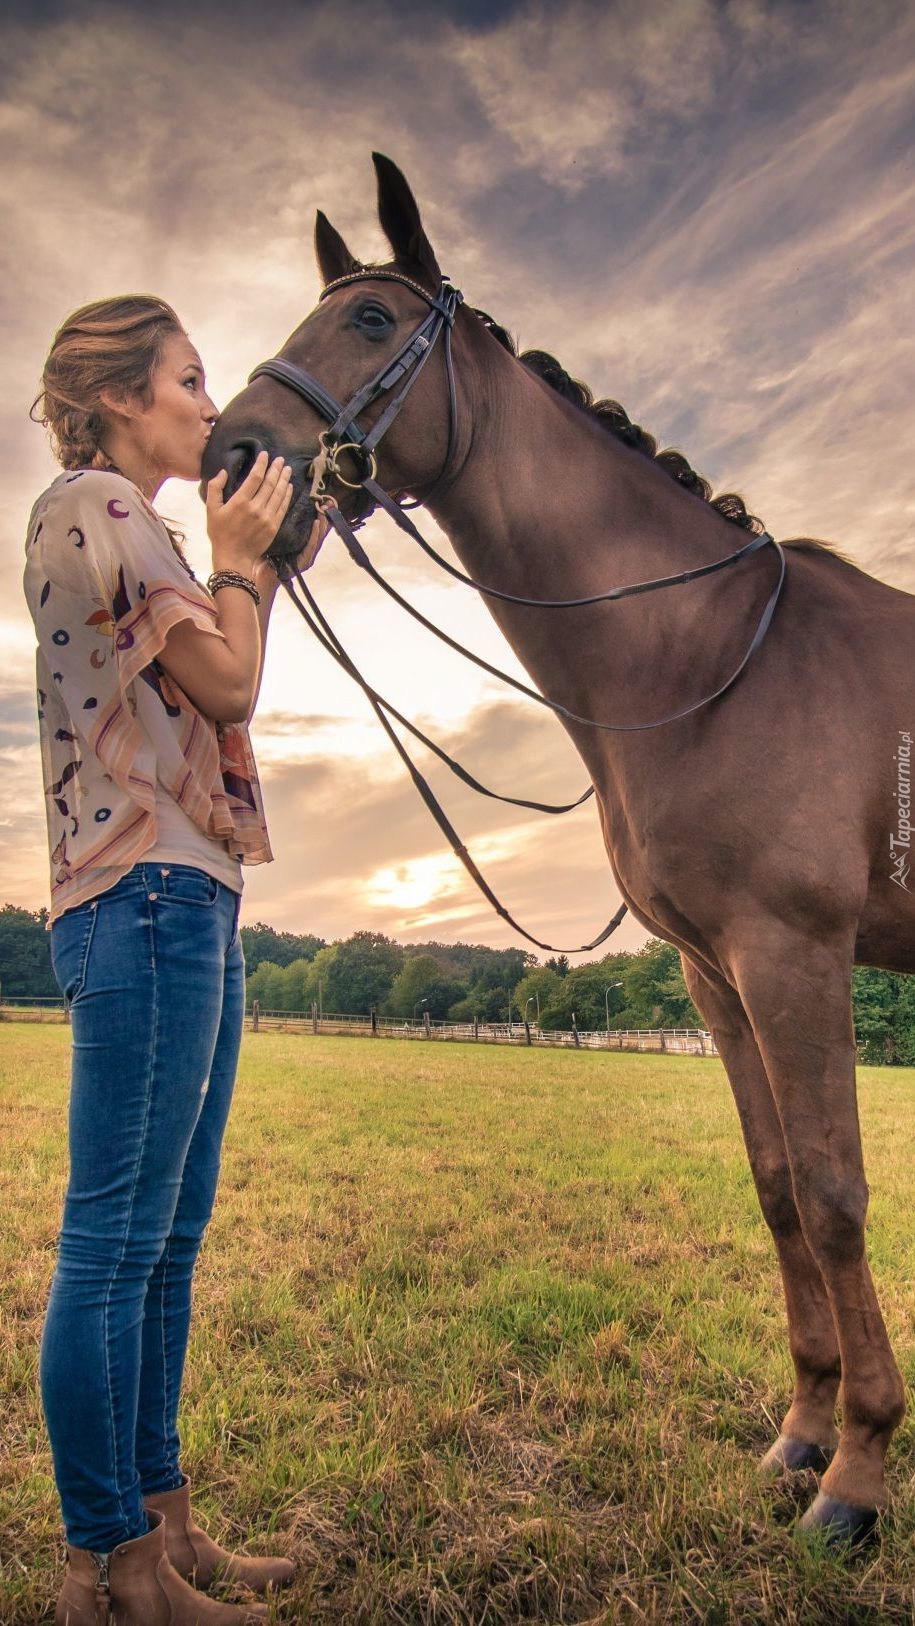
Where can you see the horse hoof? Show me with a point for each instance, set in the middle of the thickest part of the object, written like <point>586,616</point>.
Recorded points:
<point>842,1523</point>
<point>790,1456</point>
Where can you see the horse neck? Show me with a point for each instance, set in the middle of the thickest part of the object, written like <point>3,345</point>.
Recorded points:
<point>550,505</point>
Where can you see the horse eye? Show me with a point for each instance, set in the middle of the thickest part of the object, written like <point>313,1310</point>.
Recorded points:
<point>374,317</point>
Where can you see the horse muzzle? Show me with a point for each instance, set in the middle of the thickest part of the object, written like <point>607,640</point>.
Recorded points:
<point>238,458</point>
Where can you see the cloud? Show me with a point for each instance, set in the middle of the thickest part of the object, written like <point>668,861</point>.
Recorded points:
<point>572,88</point>
<point>355,845</point>
<point>701,209</point>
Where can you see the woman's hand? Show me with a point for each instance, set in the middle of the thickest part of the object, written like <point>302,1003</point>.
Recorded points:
<point>242,529</point>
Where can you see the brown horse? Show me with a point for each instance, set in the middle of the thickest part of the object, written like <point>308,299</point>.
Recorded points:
<point>765,835</point>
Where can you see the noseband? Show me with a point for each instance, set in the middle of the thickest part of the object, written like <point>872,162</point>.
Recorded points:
<point>344,433</point>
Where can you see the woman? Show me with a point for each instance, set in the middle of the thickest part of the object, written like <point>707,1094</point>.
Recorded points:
<point>145,683</point>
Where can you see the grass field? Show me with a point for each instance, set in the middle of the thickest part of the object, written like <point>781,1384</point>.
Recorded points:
<point>482,1335</point>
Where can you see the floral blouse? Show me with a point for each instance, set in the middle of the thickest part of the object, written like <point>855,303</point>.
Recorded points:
<point>104,586</point>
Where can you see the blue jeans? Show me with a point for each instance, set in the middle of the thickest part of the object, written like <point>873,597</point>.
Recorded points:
<point>155,976</point>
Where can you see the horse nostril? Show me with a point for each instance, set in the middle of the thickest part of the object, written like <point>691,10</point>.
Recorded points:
<point>238,462</point>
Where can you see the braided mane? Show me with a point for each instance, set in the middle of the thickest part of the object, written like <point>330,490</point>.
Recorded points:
<point>614,417</point>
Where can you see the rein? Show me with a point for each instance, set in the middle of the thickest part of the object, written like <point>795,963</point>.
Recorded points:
<point>345,434</point>
<point>321,629</point>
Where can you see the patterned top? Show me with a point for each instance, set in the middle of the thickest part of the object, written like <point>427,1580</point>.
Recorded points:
<point>104,586</point>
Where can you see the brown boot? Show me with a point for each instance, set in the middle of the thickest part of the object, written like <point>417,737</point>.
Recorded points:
<point>135,1585</point>
<point>200,1560</point>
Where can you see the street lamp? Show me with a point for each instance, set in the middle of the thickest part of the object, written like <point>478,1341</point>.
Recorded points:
<point>607,1000</point>
<point>417,1005</point>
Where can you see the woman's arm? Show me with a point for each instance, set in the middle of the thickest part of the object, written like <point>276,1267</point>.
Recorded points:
<point>267,585</point>
<point>222,675</point>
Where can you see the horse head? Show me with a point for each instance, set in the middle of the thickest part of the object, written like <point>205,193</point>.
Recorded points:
<point>383,324</point>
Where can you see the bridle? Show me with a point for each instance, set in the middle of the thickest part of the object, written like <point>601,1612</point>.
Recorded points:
<point>345,435</point>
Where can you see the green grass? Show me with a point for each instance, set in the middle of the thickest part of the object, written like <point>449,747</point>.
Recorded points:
<point>481,1335</point>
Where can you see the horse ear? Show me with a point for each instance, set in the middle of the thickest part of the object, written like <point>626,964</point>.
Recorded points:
<point>333,257</point>
<point>400,220</point>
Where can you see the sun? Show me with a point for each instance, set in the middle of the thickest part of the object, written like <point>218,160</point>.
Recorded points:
<point>414,884</point>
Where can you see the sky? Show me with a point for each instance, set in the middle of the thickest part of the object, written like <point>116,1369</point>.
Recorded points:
<point>706,210</point>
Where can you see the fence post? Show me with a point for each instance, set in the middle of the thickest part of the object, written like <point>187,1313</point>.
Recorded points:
<point>374,1023</point>
<point>256,1016</point>
<point>427,1025</point>
<point>314,1016</point>
<point>663,1040</point>
<point>575,1035</point>
<point>476,1027</point>
<point>527,1030</point>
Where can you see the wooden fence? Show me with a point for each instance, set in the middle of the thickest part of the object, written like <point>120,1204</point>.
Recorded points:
<point>667,1041</point>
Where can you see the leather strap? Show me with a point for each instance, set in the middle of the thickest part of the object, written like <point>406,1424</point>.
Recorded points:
<point>310,390</point>
<point>381,499</point>
<point>321,629</point>
<point>359,556</point>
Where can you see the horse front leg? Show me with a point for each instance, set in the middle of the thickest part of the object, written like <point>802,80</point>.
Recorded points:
<point>796,991</point>
<point>808,1434</point>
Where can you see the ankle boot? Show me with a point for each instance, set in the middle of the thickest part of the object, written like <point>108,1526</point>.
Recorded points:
<point>135,1585</point>
<point>200,1560</point>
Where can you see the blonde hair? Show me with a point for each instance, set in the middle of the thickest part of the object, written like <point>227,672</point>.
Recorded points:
<point>110,345</point>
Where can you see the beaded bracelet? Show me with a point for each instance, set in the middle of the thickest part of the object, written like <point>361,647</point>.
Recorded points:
<point>232,578</point>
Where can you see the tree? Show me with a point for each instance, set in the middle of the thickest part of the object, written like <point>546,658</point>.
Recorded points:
<point>266,985</point>
<point>361,973</point>
<point>540,984</point>
<point>25,954</point>
<point>655,992</point>
<point>314,983</point>
<point>421,982</point>
<point>884,1011</point>
<point>261,942</point>
<point>295,979</point>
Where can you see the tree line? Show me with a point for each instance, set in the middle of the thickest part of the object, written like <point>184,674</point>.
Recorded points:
<point>289,971</point>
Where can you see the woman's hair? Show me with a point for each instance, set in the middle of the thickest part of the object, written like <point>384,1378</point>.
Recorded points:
<point>112,345</point>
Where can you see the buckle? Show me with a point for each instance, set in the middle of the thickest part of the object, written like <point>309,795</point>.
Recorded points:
<point>100,1561</point>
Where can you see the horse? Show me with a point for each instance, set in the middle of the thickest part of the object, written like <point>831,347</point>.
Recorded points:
<point>765,834</point>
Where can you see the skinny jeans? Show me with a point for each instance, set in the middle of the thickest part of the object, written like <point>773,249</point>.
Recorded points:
<point>154,974</point>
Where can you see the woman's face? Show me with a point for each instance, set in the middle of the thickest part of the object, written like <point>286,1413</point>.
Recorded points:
<point>175,428</point>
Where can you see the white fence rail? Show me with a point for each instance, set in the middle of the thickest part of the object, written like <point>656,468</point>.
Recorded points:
<point>683,1041</point>
<point>667,1041</point>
